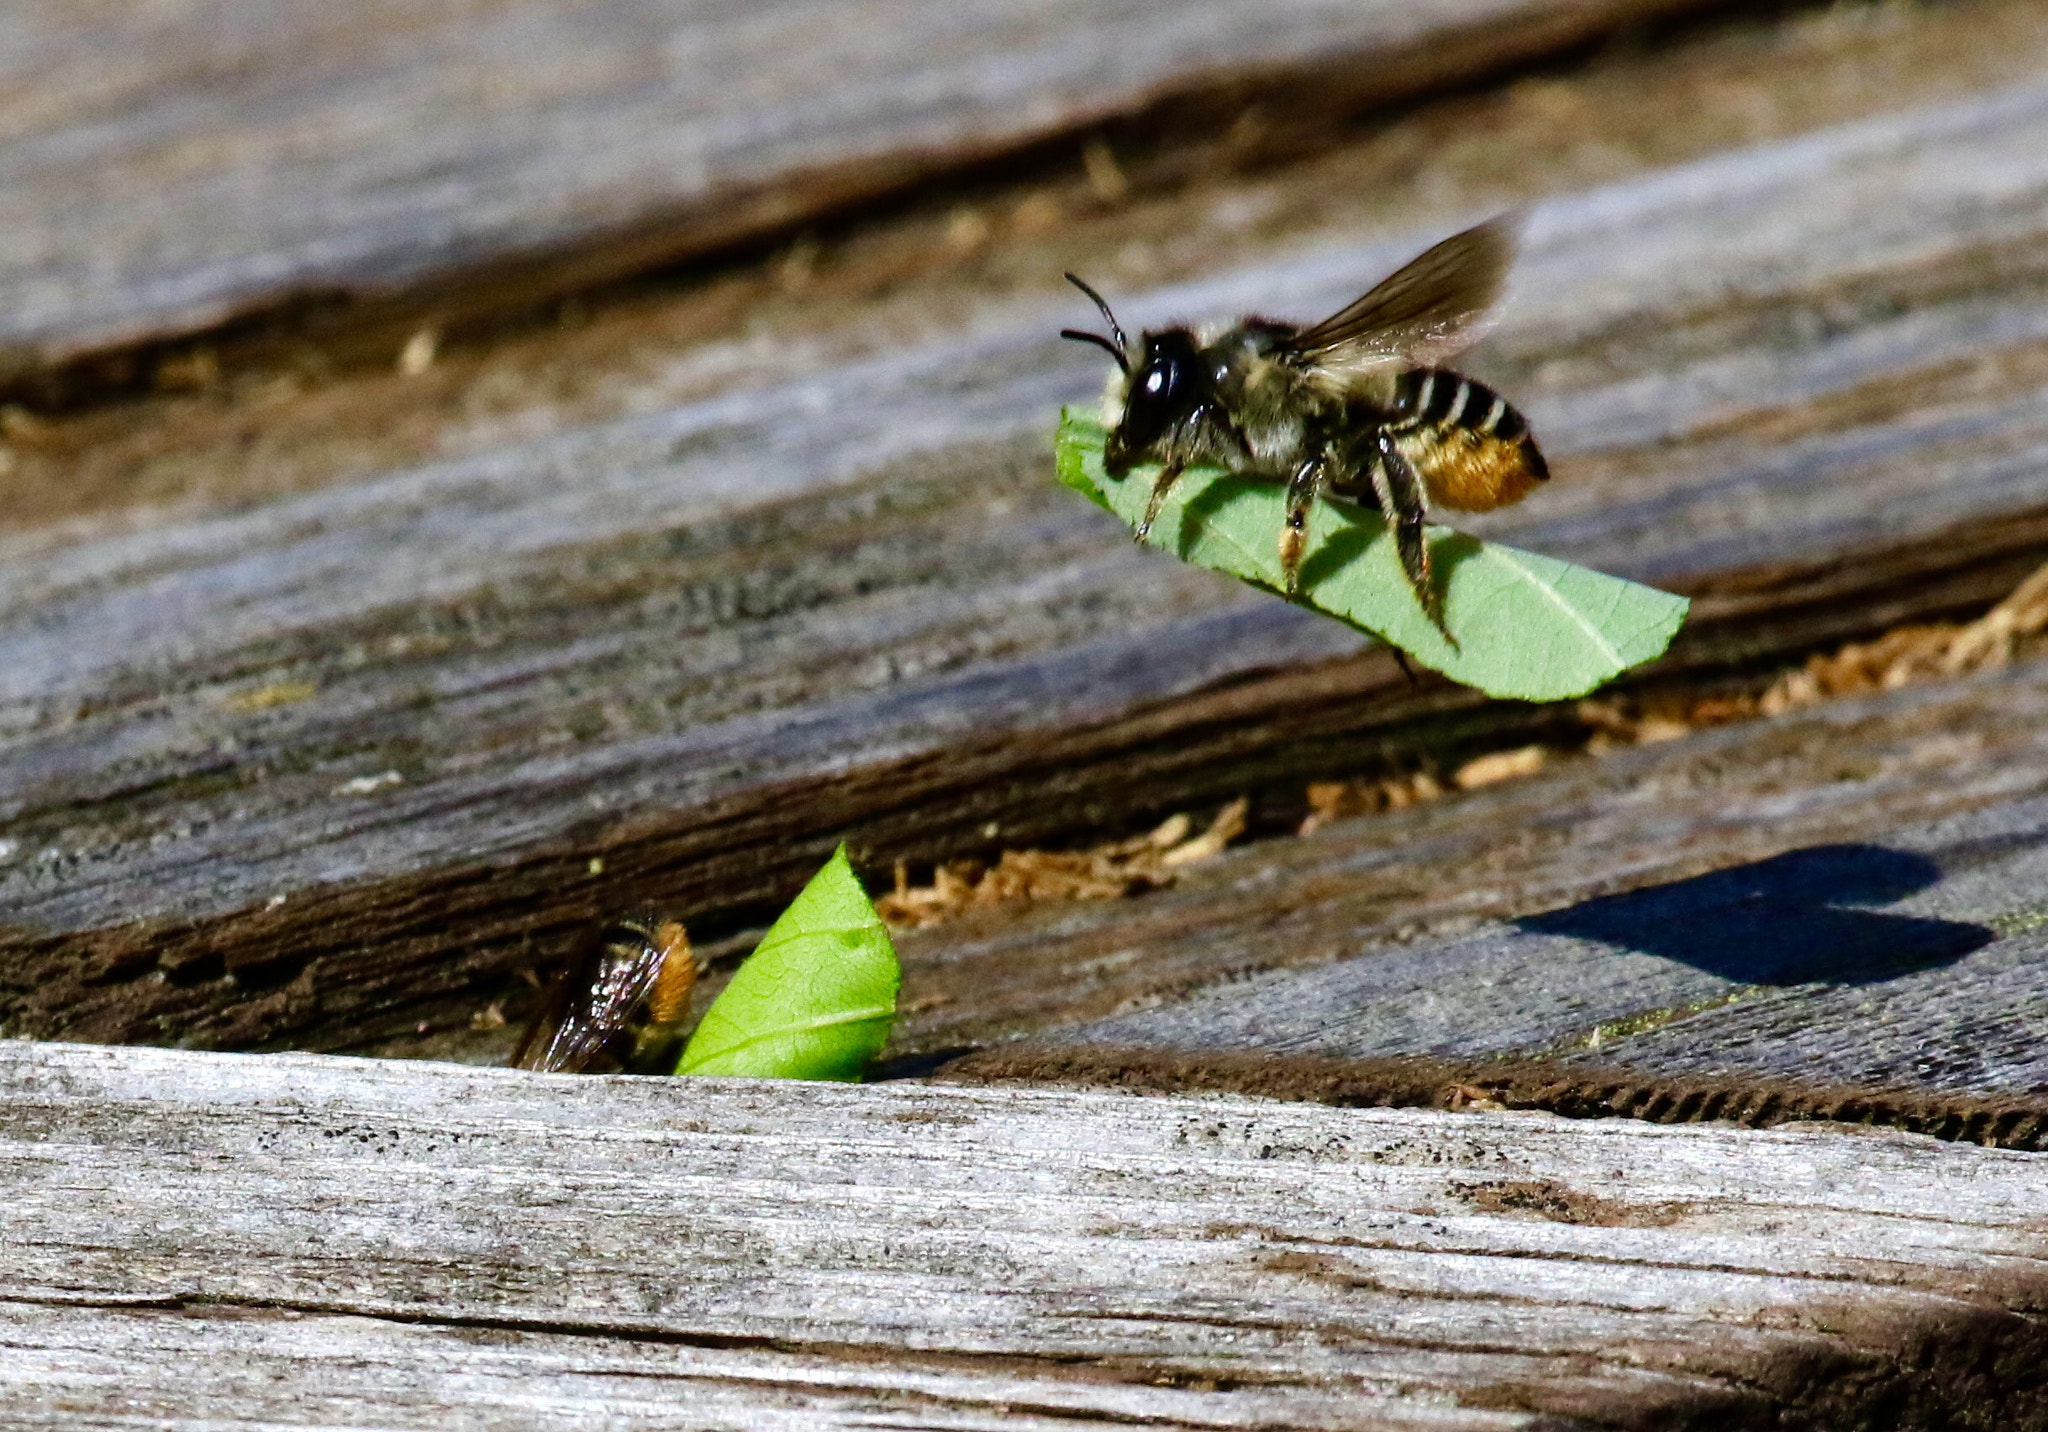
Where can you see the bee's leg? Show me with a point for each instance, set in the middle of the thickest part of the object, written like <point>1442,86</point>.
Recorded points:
<point>1161,485</point>
<point>1302,491</point>
<point>1400,494</point>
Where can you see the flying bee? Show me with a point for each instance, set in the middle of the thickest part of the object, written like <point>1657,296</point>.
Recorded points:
<point>621,1003</point>
<point>1355,407</point>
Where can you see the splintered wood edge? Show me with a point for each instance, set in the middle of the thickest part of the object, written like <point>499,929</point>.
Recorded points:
<point>402,1234</point>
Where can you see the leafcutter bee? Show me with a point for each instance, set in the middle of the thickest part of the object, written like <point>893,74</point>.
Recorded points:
<point>1355,407</point>
<point>621,1004</point>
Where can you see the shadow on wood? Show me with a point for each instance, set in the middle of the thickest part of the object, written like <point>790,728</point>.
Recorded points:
<point>1788,920</point>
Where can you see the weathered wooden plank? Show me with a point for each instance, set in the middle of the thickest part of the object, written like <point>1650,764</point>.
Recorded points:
<point>416,708</point>
<point>77,1367</point>
<point>170,170</point>
<point>1847,895</point>
<point>247,419</point>
<point>427,1240</point>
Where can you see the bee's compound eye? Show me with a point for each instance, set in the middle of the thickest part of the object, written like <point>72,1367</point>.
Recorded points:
<point>1164,390</point>
<point>1222,372</point>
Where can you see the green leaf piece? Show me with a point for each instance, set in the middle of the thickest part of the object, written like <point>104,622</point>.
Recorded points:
<point>816,998</point>
<point>1526,626</point>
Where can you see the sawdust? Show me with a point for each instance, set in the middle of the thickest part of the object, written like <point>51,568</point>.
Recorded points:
<point>1339,800</point>
<point>1106,872</point>
<point>1903,656</point>
<point>1913,654</point>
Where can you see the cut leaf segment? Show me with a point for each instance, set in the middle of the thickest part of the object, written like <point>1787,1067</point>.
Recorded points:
<point>1526,625</point>
<point>816,998</point>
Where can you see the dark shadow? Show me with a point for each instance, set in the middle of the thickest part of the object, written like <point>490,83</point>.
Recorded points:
<point>1337,551</point>
<point>1346,545</point>
<point>1449,553</point>
<point>917,1066</point>
<point>1788,920</point>
<point>1202,508</point>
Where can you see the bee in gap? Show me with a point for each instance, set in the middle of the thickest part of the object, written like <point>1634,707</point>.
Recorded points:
<point>1355,407</point>
<point>621,1004</point>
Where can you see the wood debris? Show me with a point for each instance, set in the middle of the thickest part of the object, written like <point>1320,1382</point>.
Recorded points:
<point>1497,766</point>
<point>1903,656</point>
<point>419,353</point>
<point>1335,800</point>
<point>1637,721</point>
<point>1106,178</point>
<point>1917,653</point>
<point>22,427</point>
<point>1106,872</point>
<point>1900,657</point>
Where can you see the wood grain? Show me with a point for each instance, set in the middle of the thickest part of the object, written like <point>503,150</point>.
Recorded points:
<point>1849,895</point>
<point>169,170</point>
<point>416,1242</point>
<point>341,762</point>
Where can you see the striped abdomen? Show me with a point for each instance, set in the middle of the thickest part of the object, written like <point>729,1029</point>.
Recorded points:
<point>1472,450</point>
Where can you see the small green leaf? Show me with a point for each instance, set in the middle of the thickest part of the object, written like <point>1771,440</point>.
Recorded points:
<point>816,998</point>
<point>1526,626</point>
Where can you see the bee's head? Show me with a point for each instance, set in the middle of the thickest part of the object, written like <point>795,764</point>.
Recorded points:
<point>1164,387</point>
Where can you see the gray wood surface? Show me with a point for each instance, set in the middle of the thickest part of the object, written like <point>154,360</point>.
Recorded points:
<point>241,1241</point>
<point>1877,917</point>
<point>1849,895</point>
<point>166,169</point>
<point>330,766</point>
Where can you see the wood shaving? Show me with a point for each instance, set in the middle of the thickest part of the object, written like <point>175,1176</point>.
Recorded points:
<point>1338,800</point>
<point>1499,766</point>
<point>1904,656</point>
<point>1106,178</point>
<point>1335,800</point>
<point>22,427</point>
<point>1917,653</point>
<point>1900,657</point>
<point>1107,872</point>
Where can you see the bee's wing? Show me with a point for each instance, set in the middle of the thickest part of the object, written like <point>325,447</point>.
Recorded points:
<point>1421,314</point>
<point>592,1000</point>
<point>546,1044</point>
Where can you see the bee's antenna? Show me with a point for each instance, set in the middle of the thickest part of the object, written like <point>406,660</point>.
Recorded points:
<point>1100,342</point>
<point>1116,329</point>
